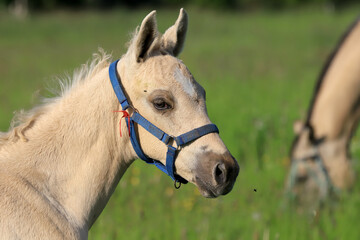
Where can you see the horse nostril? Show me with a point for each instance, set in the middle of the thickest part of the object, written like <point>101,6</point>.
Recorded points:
<point>301,178</point>
<point>218,170</point>
<point>220,173</point>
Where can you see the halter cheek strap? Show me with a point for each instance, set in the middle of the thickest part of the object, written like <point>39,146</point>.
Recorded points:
<point>167,139</point>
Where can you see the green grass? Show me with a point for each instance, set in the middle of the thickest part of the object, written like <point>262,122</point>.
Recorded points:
<point>258,69</point>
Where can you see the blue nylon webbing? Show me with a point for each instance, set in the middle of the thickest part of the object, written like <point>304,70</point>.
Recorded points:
<point>195,134</point>
<point>159,134</point>
<point>116,85</point>
<point>170,160</point>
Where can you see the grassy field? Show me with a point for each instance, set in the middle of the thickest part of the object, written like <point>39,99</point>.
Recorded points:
<point>258,69</point>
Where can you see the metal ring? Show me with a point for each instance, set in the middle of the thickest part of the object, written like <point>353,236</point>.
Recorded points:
<point>177,186</point>
<point>173,139</point>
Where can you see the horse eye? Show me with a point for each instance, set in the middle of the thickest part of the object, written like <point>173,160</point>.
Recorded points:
<point>161,104</point>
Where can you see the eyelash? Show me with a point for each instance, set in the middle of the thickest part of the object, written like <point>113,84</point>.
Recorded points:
<point>161,104</point>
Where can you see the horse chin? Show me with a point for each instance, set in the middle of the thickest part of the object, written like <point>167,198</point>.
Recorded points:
<point>308,196</point>
<point>206,189</point>
<point>208,194</point>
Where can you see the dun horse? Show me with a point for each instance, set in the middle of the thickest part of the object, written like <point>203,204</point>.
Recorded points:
<point>62,161</point>
<point>320,155</point>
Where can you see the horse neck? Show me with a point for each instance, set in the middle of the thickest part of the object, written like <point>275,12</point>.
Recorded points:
<point>74,154</point>
<point>336,111</point>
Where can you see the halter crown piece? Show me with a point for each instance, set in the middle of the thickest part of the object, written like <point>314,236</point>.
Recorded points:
<point>136,117</point>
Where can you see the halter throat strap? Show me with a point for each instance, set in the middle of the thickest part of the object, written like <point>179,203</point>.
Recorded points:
<point>167,139</point>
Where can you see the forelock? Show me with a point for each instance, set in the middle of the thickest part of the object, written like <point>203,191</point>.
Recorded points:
<point>183,76</point>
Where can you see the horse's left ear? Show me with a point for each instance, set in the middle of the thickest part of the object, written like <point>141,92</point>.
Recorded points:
<point>174,38</point>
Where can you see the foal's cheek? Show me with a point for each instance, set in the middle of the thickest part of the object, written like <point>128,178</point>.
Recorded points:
<point>185,166</point>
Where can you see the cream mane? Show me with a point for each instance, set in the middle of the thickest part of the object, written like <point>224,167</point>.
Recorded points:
<point>25,119</point>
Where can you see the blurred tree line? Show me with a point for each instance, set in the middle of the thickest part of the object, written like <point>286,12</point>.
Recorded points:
<point>24,5</point>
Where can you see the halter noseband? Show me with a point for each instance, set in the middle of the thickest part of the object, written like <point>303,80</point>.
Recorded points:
<point>324,186</point>
<point>181,140</point>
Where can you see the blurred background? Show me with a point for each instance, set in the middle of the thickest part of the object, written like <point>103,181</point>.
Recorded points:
<point>258,61</point>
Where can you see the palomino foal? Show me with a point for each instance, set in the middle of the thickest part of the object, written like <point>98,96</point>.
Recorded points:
<point>60,164</point>
<point>320,152</point>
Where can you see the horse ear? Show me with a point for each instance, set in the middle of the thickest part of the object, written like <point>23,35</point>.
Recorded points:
<point>145,37</point>
<point>298,125</point>
<point>174,38</point>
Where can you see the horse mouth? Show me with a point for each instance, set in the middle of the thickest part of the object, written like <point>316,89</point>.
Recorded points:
<point>207,190</point>
<point>210,189</point>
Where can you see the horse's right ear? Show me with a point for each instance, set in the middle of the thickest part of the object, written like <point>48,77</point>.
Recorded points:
<point>145,37</point>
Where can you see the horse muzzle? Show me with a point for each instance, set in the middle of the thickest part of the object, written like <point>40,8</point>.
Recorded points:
<point>216,174</point>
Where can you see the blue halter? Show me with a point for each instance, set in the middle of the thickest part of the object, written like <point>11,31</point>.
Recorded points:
<point>326,186</point>
<point>136,117</point>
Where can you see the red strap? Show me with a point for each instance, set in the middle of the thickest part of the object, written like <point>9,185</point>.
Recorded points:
<point>125,115</point>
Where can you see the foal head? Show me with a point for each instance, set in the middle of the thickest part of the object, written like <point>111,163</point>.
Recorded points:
<point>162,89</point>
<point>319,167</point>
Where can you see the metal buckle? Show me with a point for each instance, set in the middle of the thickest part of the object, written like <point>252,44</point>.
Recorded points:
<point>178,185</point>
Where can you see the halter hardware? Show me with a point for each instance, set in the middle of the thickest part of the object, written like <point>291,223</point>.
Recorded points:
<point>177,184</point>
<point>167,139</point>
